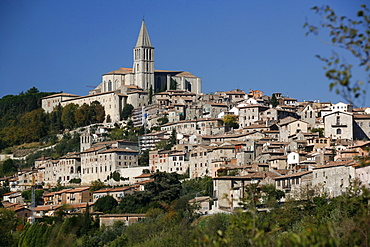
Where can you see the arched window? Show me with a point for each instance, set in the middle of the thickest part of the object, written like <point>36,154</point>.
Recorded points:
<point>109,85</point>
<point>339,131</point>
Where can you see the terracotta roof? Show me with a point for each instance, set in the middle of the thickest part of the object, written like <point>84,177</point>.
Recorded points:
<point>122,150</point>
<point>78,189</point>
<point>298,174</point>
<point>60,95</point>
<point>120,71</point>
<point>47,207</point>
<point>361,116</point>
<point>144,175</point>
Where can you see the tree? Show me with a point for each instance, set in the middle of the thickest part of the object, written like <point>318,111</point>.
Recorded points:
<point>116,176</point>
<point>96,185</point>
<point>273,101</point>
<point>165,187</point>
<point>32,90</point>
<point>352,35</point>
<point>144,158</point>
<point>98,112</point>
<point>127,111</point>
<point>319,130</point>
<point>231,121</point>
<point>8,223</point>
<point>9,167</point>
<point>162,120</point>
<point>173,139</point>
<point>83,116</point>
<point>68,116</point>
<point>105,204</point>
<point>27,196</point>
<point>173,84</point>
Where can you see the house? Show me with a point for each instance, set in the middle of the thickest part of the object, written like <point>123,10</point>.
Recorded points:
<point>46,210</point>
<point>167,161</point>
<point>361,126</point>
<point>13,197</point>
<point>338,125</point>
<point>334,177</point>
<point>295,185</point>
<point>200,159</point>
<point>229,191</point>
<point>201,203</point>
<point>78,195</point>
<point>250,114</point>
<point>117,193</point>
<point>290,126</point>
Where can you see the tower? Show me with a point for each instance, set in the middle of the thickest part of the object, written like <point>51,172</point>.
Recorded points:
<point>144,60</point>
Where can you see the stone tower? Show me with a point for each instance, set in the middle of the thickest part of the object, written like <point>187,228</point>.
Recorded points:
<point>144,60</point>
<point>86,141</point>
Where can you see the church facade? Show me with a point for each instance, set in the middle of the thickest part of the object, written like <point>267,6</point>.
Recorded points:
<point>131,85</point>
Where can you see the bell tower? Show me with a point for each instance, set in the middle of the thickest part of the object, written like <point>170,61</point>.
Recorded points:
<point>143,68</point>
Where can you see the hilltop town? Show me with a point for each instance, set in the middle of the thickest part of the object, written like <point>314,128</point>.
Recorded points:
<point>237,138</point>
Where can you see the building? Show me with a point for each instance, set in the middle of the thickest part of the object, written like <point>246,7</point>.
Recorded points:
<point>130,85</point>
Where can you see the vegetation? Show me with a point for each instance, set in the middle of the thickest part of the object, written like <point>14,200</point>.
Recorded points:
<point>127,111</point>
<point>22,120</point>
<point>27,196</point>
<point>273,101</point>
<point>349,35</point>
<point>105,204</point>
<point>170,220</point>
<point>231,121</point>
<point>318,130</point>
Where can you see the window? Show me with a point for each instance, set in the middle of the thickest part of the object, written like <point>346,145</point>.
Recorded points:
<point>339,131</point>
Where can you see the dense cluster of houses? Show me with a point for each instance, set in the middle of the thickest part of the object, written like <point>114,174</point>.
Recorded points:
<point>296,146</point>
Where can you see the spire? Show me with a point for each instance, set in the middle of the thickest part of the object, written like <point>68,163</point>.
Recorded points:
<point>143,39</point>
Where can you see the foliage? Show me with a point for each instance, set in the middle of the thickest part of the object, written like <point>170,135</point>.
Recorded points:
<point>127,111</point>
<point>144,158</point>
<point>195,185</point>
<point>320,221</point>
<point>351,35</point>
<point>68,116</point>
<point>96,185</point>
<point>105,204</point>
<point>319,130</point>
<point>173,84</point>
<point>22,120</point>
<point>27,196</point>
<point>273,101</point>
<point>3,190</point>
<point>163,120</point>
<point>8,223</point>
<point>173,139</point>
<point>164,189</point>
<point>116,134</point>
<point>231,121</point>
<point>116,176</point>
<point>8,168</point>
<point>75,181</point>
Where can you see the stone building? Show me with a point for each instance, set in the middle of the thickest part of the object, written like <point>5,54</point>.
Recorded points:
<point>338,125</point>
<point>130,85</point>
<point>167,161</point>
<point>334,177</point>
<point>361,126</point>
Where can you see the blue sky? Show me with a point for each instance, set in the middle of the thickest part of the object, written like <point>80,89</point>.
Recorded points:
<point>67,45</point>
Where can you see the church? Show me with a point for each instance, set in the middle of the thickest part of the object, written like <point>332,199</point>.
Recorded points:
<point>144,76</point>
<point>130,85</point>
